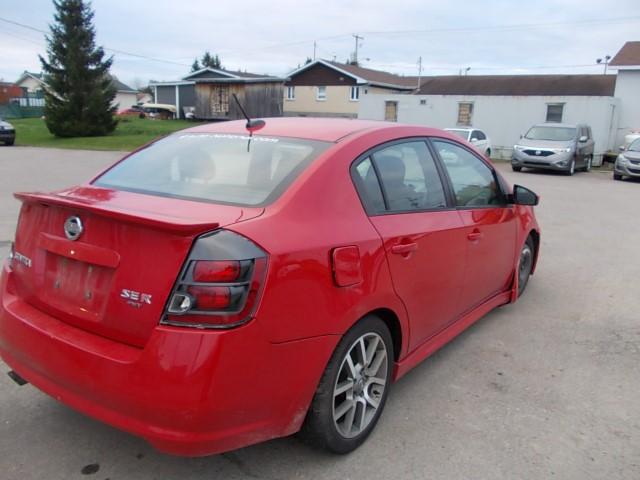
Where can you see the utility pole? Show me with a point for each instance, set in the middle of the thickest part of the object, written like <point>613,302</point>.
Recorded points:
<point>419,71</point>
<point>355,55</point>
<point>314,49</point>
<point>606,62</point>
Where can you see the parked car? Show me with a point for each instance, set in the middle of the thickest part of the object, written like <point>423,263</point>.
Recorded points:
<point>7,133</point>
<point>215,289</point>
<point>628,162</point>
<point>133,111</point>
<point>159,111</point>
<point>478,138</point>
<point>560,147</point>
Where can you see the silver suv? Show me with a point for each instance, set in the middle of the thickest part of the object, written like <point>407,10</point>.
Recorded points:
<point>559,146</point>
<point>628,162</point>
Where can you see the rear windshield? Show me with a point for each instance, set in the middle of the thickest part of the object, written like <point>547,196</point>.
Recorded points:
<point>559,134</point>
<point>220,168</point>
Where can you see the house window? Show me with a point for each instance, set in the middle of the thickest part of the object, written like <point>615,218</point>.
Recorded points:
<point>554,112</point>
<point>465,112</point>
<point>391,111</point>
<point>321,93</point>
<point>220,99</point>
<point>423,102</point>
<point>291,93</point>
<point>355,94</point>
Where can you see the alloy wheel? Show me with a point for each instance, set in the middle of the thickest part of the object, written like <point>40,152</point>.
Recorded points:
<point>526,263</point>
<point>360,385</point>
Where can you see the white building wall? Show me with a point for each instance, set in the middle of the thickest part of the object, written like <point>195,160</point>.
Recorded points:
<point>628,91</point>
<point>125,100</point>
<point>503,118</point>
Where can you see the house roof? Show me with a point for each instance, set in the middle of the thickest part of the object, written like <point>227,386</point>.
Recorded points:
<point>121,87</point>
<point>517,85</point>
<point>26,74</point>
<point>221,75</point>
<point>629,55</point>
<point>364,75</point>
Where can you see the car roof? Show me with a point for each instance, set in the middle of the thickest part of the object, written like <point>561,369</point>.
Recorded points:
<point>467,129</point>
<point>322,129</point>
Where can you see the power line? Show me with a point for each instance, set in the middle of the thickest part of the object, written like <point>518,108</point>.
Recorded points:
<point>121,52</point>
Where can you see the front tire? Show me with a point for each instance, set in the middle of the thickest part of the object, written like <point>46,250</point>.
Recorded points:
<point>572,168</point>
<point>353,389</point>
<point>516,169</point>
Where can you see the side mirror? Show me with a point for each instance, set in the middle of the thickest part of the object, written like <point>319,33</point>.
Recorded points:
<point>583,139</point>
<point>524,196</point>
<point>474,140</point>
<point>521,135</point>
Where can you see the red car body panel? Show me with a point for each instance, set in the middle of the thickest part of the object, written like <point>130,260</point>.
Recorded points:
<point>196,392</point>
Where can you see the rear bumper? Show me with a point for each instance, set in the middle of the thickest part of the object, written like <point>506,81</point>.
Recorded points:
<point>187,392</point>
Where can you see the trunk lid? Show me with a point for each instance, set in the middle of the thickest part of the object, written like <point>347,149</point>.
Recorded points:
<point>114,279</point>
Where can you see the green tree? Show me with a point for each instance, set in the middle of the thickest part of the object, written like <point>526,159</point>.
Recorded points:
<point>79,91</point>
<point>211,61</point>
<point>195,66</point>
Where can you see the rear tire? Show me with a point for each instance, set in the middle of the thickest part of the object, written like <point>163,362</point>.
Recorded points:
<point>353,389</point>
<point>525,264</point>
<point>516,169</point>
<point>588,164</point>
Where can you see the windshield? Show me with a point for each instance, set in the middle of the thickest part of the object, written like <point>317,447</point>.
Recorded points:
<point>464,134</point>
<point>558,134</point>
<point>635,146</point>
<point>214,167</point>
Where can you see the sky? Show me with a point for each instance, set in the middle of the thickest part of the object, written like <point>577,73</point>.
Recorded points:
<point>158,40</point>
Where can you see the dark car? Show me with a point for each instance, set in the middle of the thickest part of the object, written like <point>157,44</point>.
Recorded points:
<point>7,133</point>
<point>561,147</point>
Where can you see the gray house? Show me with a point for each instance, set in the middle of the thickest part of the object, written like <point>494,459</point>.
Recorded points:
<point>209,93</point>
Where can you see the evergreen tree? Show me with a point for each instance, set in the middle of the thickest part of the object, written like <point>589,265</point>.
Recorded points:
<point>79,89</point>
<point>211,61</point>
<point>195,66</point>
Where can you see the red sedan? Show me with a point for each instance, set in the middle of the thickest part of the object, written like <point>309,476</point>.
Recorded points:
<point>216,289</point>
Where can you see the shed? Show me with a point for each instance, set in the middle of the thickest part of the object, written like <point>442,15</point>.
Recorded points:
<point>260,95</point>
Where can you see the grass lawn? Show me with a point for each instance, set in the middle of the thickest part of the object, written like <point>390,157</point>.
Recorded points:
<point>130,134</point>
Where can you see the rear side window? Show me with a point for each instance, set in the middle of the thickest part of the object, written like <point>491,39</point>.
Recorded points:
<point>408,176</point>
<point>474,184</point>
<point>220,168</point>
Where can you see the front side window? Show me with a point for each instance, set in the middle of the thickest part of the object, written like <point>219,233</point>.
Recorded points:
<point>291,92</point>
<point>219,168</point>
<point>409,177</point>
<point>354,94</point>
<point>474,184</point>
<point>321,93</point>
<point>554,112</point>
<point>465,112</point>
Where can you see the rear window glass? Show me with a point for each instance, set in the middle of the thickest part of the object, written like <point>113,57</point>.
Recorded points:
<point>219,168</point>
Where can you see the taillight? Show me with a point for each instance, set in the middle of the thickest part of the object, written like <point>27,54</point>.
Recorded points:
<point>219,284</point>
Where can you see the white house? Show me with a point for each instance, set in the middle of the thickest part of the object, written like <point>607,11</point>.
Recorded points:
<point>627,63</point>
<point>33,84</point>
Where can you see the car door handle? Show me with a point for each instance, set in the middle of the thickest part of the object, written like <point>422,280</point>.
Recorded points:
<point>475,235</point>
<point>404,248</point>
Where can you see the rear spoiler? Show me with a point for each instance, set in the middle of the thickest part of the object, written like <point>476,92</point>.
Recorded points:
<point>179,225</point>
